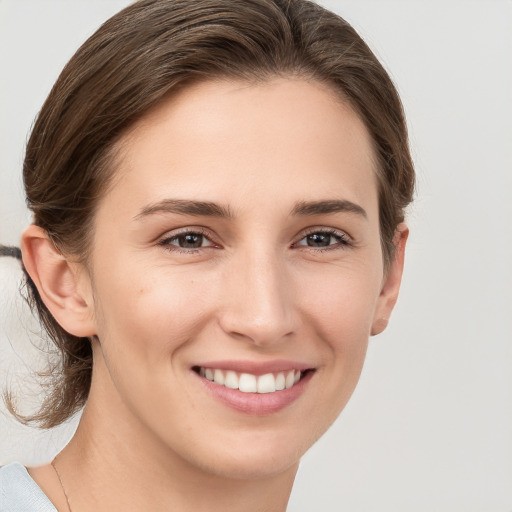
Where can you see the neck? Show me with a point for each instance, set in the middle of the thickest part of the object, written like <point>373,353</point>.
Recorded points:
<point>114,463</point>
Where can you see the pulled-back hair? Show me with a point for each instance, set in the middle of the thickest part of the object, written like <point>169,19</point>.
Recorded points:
<point>152,48</point>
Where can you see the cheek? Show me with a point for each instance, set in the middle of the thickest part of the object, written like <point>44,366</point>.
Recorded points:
<point>340,306</point>
<point>147,318</point>
<point>341,303</point>
<point>150,310</point>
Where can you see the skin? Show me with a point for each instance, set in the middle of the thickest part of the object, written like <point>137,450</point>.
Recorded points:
<point>150,435</point>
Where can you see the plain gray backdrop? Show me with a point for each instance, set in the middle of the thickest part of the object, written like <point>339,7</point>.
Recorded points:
<point>430,426</point>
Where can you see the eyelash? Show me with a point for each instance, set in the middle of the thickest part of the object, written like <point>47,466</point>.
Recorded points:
<point>343,240</point>
<point>166,242</point>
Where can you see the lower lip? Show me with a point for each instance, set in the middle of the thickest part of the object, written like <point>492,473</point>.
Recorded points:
<point>257,403</point>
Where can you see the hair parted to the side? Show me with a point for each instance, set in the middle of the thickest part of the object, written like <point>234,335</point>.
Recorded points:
<point>150,49</point>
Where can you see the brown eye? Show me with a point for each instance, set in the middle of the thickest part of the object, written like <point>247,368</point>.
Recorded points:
<point>190,240</point>
<point>318,240</point>
<point>324,239</point>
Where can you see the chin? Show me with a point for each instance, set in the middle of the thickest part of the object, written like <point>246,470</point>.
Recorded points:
<point>253,455</point>
<point>251,465</point>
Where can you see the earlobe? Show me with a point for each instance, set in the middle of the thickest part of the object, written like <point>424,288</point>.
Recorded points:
<point>57,283</point>
<point>378,326</point>
<point>391,284</point>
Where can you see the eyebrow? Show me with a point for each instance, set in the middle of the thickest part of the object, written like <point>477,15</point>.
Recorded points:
<point>185,207</point>
<point>306,208</point>
<point>210,209</point>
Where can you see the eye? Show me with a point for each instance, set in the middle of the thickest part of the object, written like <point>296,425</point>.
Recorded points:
<point>324,239</point>
<point>187,240</point>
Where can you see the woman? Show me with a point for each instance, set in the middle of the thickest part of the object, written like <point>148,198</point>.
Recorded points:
<point>218,192</point>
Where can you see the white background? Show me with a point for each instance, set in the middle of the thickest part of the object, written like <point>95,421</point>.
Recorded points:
<point>430,426</point>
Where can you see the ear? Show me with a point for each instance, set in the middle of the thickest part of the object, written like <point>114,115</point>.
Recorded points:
<point>391,284</point>
<point>63,286</point>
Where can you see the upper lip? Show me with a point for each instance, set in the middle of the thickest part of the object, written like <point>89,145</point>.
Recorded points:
<point>256,367</point>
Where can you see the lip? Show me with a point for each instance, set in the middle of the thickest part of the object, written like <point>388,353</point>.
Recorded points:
<point>256,404</point>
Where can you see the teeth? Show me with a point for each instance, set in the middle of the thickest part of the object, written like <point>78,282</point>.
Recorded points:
<point>248,383</point>
<point>218,377</point>
<point>231,380</point>
<point>280,381</point>
<point>266,383</point>
<point>290,379</point>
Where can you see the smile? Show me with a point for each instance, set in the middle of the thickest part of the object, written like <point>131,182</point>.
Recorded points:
<point>250,383</point>
<point>255,388</point>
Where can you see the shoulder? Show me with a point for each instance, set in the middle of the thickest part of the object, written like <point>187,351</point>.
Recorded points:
<point>19,492</point>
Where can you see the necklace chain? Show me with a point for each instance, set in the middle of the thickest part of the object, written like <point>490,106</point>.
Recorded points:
<point>61,484</point>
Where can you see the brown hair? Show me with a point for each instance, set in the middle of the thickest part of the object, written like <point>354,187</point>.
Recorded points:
<point>141,54</point>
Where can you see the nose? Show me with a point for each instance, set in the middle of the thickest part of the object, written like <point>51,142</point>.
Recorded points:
<point>257,299</point>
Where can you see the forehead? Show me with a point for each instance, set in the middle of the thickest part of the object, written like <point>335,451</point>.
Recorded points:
<point>238,141</point>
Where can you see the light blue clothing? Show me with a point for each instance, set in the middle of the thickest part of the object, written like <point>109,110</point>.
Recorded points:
<point>19,493</point>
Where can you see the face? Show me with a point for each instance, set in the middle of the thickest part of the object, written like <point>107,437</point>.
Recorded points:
<point>239,243</point>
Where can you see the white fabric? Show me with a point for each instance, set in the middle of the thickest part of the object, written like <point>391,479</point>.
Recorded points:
<point>19,493</point>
